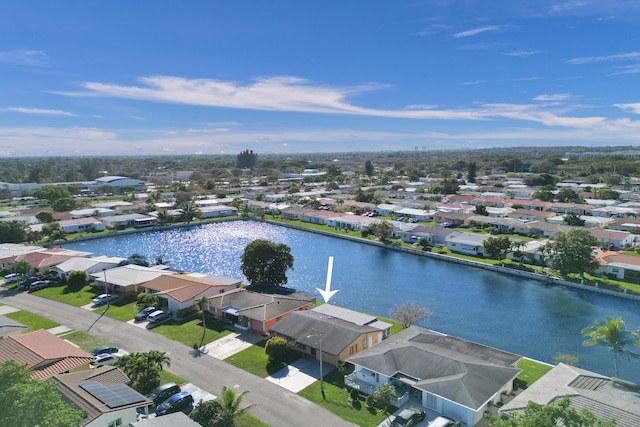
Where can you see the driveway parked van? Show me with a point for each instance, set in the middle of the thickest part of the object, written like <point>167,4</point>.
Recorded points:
<point>159,316</point>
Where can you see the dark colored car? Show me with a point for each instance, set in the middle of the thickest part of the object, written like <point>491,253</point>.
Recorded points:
<point>142,314</point>
<point>409,417</point>
<point>177,402</point>
<point>104,349</point>
<point>163,392</point>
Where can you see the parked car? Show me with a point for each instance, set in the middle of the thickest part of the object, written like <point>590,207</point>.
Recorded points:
<point>24,285</point>
<point>409,417</point>
<point>163,392</point>
<point>443,422</point>
<point>143,314</point>
<point>104,349</point>
<point>38,284</point>
<point>178,402</point>
<point>159,316</point>
<point>10,278</point>
<point>104,298</point>
<point>104,359</point>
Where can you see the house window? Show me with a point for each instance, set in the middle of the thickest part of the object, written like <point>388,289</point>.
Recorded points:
<point>614,270</point>
<point>116,423</point>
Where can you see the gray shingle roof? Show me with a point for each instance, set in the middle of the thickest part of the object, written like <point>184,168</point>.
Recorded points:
<point>460,371</point>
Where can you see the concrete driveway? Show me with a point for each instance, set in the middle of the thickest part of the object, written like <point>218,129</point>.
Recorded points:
<point>300,374</point>
<point>231,344</point>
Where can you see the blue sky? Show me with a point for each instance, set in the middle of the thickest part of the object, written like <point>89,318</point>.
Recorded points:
<point>218,77</point>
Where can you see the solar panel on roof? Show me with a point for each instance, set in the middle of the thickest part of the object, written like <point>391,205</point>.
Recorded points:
<point>114,396</point>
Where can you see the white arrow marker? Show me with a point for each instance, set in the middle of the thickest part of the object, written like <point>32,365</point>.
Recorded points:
<point>327,293</point>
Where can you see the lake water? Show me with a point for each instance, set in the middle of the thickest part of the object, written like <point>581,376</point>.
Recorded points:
<point>522,316</point>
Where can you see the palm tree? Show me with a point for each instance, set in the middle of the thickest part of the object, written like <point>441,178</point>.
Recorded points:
<point>58,235</point>
<point>163,216</point>
<point>190,211</point>
<point>201,302</point>
<point>157,359</point>
<point>232,402</point>
<point>33,237</point>
<point>384,394</point>
<point>615,336</point>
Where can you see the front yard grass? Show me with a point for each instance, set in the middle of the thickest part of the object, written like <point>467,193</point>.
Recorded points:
<point>255,360</point>
<point>33,322</point>
<point>124,309</point>
<point>169,377</point>
<point>76,297</point>
<point>248,420</point>
<point>531,371</point>
<point>82,340</point>
<point>337,401</point>
<point>188,331</point>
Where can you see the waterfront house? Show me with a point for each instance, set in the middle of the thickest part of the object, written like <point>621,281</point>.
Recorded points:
<point>467,243</point>
<point>621,266</point>
<point>79,225</point>
<point>447,375</point>
<point>126,280</point>
<point>104,395</point>
<point>435,235</point>
<point>135,220</point>
<point>43,260</point>
<point>256,311</point>
<point>340,332</point>
<point>88,265</point>
<point>44,354</point>
<point>606,398</point>
<point>217,211</point>
<point>179,291</point>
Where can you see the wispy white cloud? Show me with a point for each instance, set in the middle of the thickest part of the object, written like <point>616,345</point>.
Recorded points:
<point>39,111</point>
<point>616,57</point>
<point>634,108</point>
<point>564,7</point>
<point>25,57</point>
<point>479,30</point>
<point>553,97</point>
<point>626,69</point>
<point>298,95</point>
<point>522,53</point>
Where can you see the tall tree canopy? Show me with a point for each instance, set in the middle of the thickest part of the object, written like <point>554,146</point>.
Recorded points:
<point>26,402</point>
<point>247,159</point>
<point>266,263</point>
<point>13,231</point>
<point>144,368</point>
<point>571,252</point>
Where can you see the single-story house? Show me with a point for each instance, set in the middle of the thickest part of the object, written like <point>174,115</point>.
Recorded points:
<point>217,211</point>
<point>606,398</point>
<point>44,259</point>
<point>339,338</point>
<point>530,215</point>
<point>293,213</point>
<point>624,224</point>
<point>450,376</point>
<point>103,394</point>
<point>179,291</point>
<point>589,221</point>
<point>576,208</point>
<point>616,239</point>
<point>453,219</point>
<point>92,212</point>
<point>435,235</point>
<point>351,222</point>
<point>127,279</point>
<point>129,220</point>
<point>81,224</point>
<point>44,353</point>
<point>621,266</point>
<point>317,217</point>
<point>541,228</point>
<point>417,214</point>
<point>503,225</point>
<point>255,310</point>
<point>467,243</point>
<point>88,265</point>
<point>386,209</point>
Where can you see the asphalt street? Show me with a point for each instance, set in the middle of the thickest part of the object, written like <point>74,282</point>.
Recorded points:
<point>275,406</point>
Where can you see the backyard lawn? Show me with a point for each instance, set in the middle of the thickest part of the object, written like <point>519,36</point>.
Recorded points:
<point>531,371</point>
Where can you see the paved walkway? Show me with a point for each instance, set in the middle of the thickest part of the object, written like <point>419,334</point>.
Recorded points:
<point>6,309</point>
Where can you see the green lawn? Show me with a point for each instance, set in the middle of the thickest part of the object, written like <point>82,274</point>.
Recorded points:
<point>531,371</point>
<point>248,420</point>
<point>189,331</point>
<point>84,341</point>
<point>123,310</point>
<point>69,296</point>
<point>337,401</point>
<point>255,360</point>
<point>33,322</point>
<point>169,377</point>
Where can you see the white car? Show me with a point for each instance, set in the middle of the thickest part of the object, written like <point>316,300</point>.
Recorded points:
<point>104,298</point>
<point>104,359</point>
<point>443,422</point>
